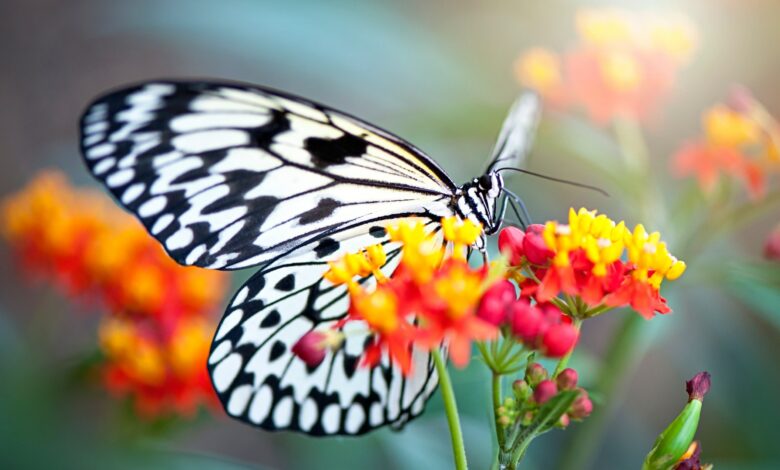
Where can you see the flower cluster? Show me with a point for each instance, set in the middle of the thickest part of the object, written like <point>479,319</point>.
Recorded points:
<point>597,263</point>
<point>156,334</point>
<point>536,389</point>
<point>431,298</point>
<point>740,139</point>
<point>624,64</point>
<point>542,327</point>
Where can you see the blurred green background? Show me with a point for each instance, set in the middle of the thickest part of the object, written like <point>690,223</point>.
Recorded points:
<point>438,73</point>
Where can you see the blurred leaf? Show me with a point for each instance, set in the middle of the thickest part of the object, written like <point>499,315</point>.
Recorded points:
<point>757,285</point>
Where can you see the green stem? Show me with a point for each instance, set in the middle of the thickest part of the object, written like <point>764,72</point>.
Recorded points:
<point>565,359</point>
<point>451,408</point>
<point>620,356</point>
<point>496,404</point>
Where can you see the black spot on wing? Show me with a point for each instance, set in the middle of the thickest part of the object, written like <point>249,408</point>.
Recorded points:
<point>377,232</point>
<point>325,247</point>
<point>272,319</point>
<point>277,350</point>
<point>324,209</point>
<point>326,152</point>
<point>286,284</point>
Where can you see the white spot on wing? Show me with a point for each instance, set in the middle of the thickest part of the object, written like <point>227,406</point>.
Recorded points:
<point>331,417</point>
<point>201,121</point>
<point>119,178</point>
<point>226,371</point>
<point>153,206</point>
<point>132,193</point>
<point>204,141</point>
<point>239,399</point>
<point>283,412</point>
<point>220,352</point>
<point>261,404</point>
<point>228,323</point>
<point>355,418</point>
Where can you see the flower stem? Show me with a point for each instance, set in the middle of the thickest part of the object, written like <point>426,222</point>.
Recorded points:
<point>496,404</point>
<point>451,408</point>
<point>620,355</point>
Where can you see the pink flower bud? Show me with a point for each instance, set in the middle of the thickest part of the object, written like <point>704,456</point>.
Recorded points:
<point>510,244</point>
<point>534,247</point>
<point>559,340</point>
<point>311,348</point>
<point>698,386</point>
<point>772,245</point>
<point>544,391</point>
<point>564,421</point>
<point>535,373</point>
<point>496,302</point>
<point>526,320</point>
<point>567,379</point>
<point>582,406</point>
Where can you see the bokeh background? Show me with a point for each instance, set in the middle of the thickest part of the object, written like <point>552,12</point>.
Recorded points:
<point>439,73</point>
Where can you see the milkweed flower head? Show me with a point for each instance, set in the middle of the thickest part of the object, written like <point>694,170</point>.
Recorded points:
<point>623,65</point>
<point>740,140</point>
<point>156,330</point>
<point>596,260</point>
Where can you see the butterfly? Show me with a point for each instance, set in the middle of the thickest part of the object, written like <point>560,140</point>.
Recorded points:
<point>229,176</point>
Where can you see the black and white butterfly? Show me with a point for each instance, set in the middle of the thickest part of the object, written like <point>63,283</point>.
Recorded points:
<point>229,176</point>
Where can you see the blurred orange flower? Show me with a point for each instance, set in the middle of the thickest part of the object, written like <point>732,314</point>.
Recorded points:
<point>624,65</point>
<point>156,336</point>
<point>739,141</point>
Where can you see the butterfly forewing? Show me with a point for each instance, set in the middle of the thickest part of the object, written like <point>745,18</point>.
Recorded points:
<point>228,176</point>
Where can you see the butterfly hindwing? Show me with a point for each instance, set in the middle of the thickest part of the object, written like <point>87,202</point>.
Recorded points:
<point>261,382</point>
<point>228,176</point>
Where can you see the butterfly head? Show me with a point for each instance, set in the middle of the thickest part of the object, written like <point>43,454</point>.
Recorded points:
<point>477,200</point>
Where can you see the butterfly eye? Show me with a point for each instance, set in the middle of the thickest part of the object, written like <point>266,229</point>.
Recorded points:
<point>485,182</point>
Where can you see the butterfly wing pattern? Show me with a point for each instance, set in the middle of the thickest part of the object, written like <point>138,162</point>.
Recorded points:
<point>231,176</point>
<point>228,176</point>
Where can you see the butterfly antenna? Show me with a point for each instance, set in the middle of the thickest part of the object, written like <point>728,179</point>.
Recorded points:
<point>557,180</point>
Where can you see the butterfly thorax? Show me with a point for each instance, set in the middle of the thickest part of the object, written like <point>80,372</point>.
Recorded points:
<point>477,200</point>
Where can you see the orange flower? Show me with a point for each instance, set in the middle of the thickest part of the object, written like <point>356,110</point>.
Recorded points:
<point>739,142</point>
<point>431,299</point>
<point>156,338</point>
<point>624,66</point>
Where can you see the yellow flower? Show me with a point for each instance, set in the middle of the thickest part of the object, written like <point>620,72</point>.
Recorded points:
<point>460,288</point>
<point>727,128</point>
<point>378,309</point>
<point>539,69</point>
<point>462,234</point>
<point>604,27</point>
<point>674,35</point>
<point>648,253</point>
<point>360,264</point>
<point>620,70</point>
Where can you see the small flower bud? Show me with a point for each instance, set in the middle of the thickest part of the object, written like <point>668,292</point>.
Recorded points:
<point>510,244</point>
<point>559,340</point>
<point>544,391</point>
<point>567,379</point>
<point>526,320</point>
<point>772,245</point>
<point>535,373</point>
<point>675,440</point>
<point>582,406</point>
<point>534,247</point>
<point>698,386</point>
<point>522,390</point>
<point>563,421</point>
<point>503,421</point>
<point>496,301</point>
<point>312,347</point>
